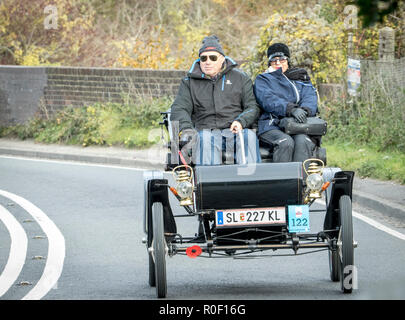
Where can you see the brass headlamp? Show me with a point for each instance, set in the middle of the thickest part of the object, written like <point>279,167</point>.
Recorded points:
<point>314,181</point>
<point>183,175</point>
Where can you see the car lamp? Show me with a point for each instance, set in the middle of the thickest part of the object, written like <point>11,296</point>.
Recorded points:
<point>183,175</point>
<point>314,181</point>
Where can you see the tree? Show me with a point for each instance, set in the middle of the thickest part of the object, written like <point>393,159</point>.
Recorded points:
<point>35,32</point>
<point>373,11</point>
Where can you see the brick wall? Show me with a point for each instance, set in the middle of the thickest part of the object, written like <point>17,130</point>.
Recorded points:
<point>26,91</point>
<point>21,90</point>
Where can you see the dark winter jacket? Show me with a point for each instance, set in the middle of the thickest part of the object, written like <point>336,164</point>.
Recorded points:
<point>205,103</point>
<point>277,94</point>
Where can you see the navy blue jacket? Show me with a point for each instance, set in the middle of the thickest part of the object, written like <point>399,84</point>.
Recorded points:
<point>273,91</point>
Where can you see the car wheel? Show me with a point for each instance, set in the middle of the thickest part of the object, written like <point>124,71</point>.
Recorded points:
<point>152,276</point>
<point>334,265</point>
<point>159,249</point>
<point>345,244</point>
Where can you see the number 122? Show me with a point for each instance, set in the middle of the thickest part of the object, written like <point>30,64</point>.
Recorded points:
<point>300,222</point>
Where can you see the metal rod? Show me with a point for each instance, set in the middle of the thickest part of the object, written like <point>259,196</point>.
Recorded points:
<point>260,246</point>
<point>242,146</point>
<point>185,215</point>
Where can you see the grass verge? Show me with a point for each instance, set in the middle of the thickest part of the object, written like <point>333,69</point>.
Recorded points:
<point>130,125</point>
<point>366,161</point>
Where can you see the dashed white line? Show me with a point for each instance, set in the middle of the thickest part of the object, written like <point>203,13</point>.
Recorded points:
<point>18,250</point>
<point>56,248</point>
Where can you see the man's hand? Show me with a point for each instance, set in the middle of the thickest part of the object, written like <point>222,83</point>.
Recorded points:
<point>186,136</point>
<point>236,126</point>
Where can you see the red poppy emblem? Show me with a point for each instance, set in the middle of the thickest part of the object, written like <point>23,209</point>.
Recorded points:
<point>194,251</point>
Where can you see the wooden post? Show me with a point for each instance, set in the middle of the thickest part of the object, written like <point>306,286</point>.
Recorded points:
<point>350,52</point>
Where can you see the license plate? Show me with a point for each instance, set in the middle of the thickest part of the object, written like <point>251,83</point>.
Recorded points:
<point>248,217</point>
<point>298,218</point>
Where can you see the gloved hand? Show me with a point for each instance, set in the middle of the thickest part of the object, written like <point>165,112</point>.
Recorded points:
<point>299,114</point>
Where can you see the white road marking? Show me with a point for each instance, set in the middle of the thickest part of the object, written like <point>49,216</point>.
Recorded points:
<point>379,226</point>
<point>76,163</point>
<point>373,223</point>
<point>18,250</point>
<point>56,248</point>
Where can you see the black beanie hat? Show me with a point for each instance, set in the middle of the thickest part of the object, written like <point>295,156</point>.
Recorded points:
<point>278,49</point>
<point>211,43</point>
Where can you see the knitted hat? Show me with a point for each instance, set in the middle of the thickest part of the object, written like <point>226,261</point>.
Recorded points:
<point>211,43</point>
<point>278,50</point>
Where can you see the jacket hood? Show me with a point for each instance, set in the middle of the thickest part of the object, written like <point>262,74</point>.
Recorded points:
<point>196,72</point>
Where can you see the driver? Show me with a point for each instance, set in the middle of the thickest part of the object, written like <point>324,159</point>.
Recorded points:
<point>214,103</point>
<point>283,91</point>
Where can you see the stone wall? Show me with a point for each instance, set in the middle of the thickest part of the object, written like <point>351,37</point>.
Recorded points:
<point>27,91</point>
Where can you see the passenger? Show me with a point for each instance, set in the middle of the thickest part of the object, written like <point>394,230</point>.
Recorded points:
<point>282,91</point>
<point>216,100</point>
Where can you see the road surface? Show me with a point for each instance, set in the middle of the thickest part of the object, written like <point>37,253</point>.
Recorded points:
<point>72,231</point>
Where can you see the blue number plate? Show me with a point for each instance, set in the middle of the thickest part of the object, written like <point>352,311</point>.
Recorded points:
<point>298,218</point>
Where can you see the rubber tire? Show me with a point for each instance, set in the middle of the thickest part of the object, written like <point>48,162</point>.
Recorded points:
<point>152,276</point>
<point>347,252</point>
<point>334,265</point>
<point>159,249</point>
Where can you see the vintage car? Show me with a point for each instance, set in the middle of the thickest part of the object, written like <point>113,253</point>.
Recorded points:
<point>234,219</point>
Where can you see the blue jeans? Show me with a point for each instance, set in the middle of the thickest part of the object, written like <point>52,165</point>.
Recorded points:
<point>212,143</point>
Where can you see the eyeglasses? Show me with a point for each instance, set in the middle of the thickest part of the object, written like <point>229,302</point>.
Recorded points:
<point>280,59</point>
<point>212,58</point>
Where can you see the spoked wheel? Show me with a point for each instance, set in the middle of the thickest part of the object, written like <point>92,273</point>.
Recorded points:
<point>159,250</point>
<point>345,245</point>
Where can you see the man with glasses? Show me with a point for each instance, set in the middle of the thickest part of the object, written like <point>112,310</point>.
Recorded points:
<point>281,92</point>
<point>214,104</point>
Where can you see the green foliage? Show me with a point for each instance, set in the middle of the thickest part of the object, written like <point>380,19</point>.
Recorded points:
<point>376,121</point>
<point>172,36</point>
<point>366,161</point>
<point>166,34</point>
<point>373,11</point>
<point>317,38</point>
<point>26,40</point>
<point>315,43</point>
<point>98,124</point>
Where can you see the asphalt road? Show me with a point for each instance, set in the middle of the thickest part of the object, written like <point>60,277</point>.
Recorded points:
<point>83,231</point>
